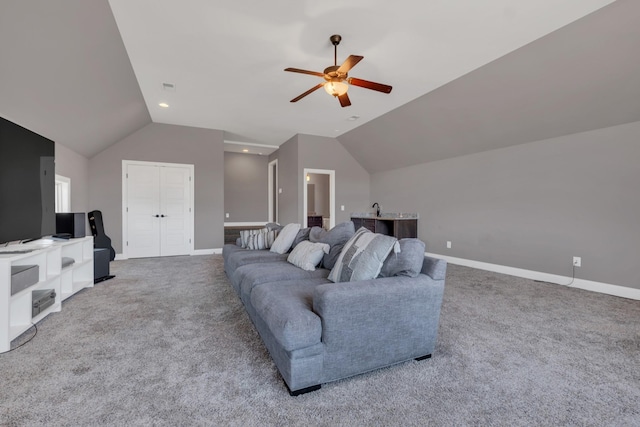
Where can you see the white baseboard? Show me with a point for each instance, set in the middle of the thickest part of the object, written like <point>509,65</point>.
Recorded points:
<point>245,224</point>
<point>207,251</point>
<point>603,288</point>
<point>120,257</point>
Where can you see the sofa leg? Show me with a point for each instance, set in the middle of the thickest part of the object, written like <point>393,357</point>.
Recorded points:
<point>428,356</point>
<point>305,390</point>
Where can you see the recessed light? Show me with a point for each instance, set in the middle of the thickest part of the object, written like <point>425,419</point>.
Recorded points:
<point>244,150</point>
<point>164,105</point>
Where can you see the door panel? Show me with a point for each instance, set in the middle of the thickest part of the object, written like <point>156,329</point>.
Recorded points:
<point>174,205</point>
<point>158,214</point>
<point>143,193</point>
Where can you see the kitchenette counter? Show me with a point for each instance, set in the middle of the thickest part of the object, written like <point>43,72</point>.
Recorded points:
<point>400,225</point>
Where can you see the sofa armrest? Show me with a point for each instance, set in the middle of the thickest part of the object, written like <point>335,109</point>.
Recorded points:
<point>374,323</point>
<point>435,268</point>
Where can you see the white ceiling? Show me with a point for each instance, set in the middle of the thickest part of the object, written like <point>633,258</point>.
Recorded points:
<point>226,58</point>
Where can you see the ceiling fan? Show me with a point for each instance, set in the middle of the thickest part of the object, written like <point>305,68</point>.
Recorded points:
<point>336,78</point>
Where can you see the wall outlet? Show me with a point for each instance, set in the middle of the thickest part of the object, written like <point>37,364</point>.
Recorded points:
<point>448,244</point>
<point>279,190</point>
<point>226,215</point>
<point>577,261</point>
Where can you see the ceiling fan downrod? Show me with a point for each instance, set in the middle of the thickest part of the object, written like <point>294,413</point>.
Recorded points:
<point>335,39</point>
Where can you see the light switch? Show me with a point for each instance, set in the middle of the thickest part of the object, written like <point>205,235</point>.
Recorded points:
<point>226,215</point>
<point>341,207</point>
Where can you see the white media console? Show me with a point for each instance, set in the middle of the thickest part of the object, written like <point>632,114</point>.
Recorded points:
<point>47,255</point>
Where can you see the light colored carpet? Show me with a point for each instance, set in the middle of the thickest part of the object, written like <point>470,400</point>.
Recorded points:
<point>167,342</point>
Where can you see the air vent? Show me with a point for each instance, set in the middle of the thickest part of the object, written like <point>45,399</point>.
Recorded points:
<point>170,87</point>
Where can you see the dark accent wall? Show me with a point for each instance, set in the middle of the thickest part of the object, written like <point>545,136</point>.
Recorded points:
<point>532,206</point>
<point>204,148</point>
<point>246,189</point>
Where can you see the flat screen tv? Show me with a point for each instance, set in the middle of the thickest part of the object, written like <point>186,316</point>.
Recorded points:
<point>27,184</point>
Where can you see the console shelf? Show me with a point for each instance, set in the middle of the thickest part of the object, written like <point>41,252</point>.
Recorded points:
<point>16,310</point>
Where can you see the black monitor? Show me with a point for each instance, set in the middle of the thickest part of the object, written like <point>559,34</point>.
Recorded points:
<point>27,184</point>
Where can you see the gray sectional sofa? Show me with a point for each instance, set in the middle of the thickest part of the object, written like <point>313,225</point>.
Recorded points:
<point>318,331</point>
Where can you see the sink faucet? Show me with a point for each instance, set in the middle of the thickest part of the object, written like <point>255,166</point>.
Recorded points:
<point>377,206</point>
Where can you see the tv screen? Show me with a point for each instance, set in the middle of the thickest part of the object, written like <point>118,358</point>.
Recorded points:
<point>27,184</point>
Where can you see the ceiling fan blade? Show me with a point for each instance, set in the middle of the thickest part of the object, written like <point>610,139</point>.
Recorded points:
<point>313,89</point>
<point>298,70</point>
<point>349,63</point>
<point>370,85</point>
<point>344,100</point>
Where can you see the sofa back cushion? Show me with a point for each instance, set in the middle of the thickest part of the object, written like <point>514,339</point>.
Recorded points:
<point>407,262</point>
<point>335,238</point>
<point>362,256</point>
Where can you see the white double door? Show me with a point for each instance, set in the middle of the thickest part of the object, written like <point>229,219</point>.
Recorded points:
<point>158,209</point>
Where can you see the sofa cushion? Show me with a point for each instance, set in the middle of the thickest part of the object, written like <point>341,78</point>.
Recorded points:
<point>307,255</point>
<point>238,258</point>
<point>285,239</point>
<point>362,256</point>
<point>286,309</point>
<point>247,277</point>
<point>335,238</point>
<point>407,262</point>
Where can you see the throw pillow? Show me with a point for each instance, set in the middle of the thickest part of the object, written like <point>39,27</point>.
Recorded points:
<point>408,262</point>
<point>244,235</point>
<point>262,240</point>
<point>362,256</point>
<point>307,255</point>
<point>285,239</point>
<point>336,238</point>
<point>302,235</point>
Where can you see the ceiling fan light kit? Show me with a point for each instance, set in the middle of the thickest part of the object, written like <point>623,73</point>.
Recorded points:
<point>336,77</point>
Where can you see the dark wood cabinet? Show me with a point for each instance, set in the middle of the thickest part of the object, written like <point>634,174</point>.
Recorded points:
<point>397,227</point>
<point>314,221</point>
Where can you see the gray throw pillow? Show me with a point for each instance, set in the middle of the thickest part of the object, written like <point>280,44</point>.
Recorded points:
<point>362,256</point>
<point>408,262</point>
<point>302,235</point>
<point>335,238</point>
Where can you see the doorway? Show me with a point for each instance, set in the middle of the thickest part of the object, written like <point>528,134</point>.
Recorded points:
<point>321,183</point>
<point>273,191</point>
<point>157,217</point>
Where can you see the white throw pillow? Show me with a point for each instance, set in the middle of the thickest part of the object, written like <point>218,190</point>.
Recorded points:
<point>307,255</point>
<point>285,239</point>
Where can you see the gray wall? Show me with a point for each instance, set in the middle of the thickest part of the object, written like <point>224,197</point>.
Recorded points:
<point>289,208</point>
<point>66,75</point>
<point>157,142</point>
<point>352,181</point>
<point>532,206</point>
<point>246,189</point>
<point>318,152</point>
<point>75,167</point>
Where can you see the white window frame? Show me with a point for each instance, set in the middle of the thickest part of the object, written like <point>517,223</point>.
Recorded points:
<point>63,194</point>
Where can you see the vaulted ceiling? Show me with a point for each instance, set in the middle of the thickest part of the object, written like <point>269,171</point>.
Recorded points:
<point>467,76</point>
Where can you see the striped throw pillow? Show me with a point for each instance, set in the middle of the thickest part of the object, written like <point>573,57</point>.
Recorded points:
<point>362,256</point>
<point>262,240</point>
<point>245,234</point>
